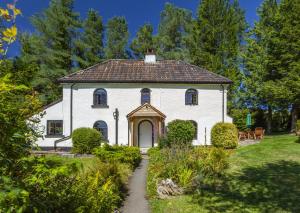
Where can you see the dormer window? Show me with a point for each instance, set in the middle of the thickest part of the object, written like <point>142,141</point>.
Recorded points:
<point>191,97</point>
<point>145,96</point>
<point>100,98</point>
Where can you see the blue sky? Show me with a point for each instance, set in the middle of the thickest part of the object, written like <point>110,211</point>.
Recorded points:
<point>137,12</point>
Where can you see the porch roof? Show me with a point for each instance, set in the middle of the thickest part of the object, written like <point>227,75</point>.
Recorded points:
<point>146,110</point>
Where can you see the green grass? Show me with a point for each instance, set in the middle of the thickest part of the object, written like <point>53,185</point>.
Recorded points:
<point>264,177</point>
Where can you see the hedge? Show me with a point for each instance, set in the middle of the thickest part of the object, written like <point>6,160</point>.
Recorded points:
<point>85,140</point>
<point>224,135</point>
<point>180,132</point>
<point>119,154</point>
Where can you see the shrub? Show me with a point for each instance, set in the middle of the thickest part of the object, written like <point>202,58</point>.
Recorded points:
<point>163,142</point>
<point>122,154</point>
<point>188,167</point>
<point>180,133</point>
<point>85,140</point>
<point>298,127</point>
<point>213,161</point>
<point>224,135</point>
<point>53,185</point>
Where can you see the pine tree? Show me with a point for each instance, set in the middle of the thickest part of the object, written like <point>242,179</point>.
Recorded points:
<point>89,47</point>
<point>51,46</point>
<point>216,40</point>
<point>261,72</point>
<point>286,52</point>
<point>175,24</point>
<point>143,41</point>
<point>117,38</point>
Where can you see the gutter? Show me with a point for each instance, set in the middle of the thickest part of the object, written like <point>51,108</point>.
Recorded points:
<point>71,119</point>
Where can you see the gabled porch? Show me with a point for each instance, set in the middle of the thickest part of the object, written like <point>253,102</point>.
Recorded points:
<point>146,125</point>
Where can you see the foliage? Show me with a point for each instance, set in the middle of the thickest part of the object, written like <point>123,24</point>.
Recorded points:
<point>216,41</point>
<point>298,128</point>
<point>12,197</point>
<point>117,38</point>
<point>85,140</point>
<point>180,132</point>
<point>249,166</point>
<point>185,166</point>
<point>51,47</point>
<point>121,154</point>
<point>239,118</point>
<point>8,31</point>
<point>224,135</point>
<point>18,130</point>
<point>143,41</point>
<point>53,185</point>
<point>175,24</point>
<point>89,47</point>
<point>163,142</point>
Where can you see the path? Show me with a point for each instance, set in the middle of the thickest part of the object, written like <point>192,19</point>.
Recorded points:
<point>136,201</point>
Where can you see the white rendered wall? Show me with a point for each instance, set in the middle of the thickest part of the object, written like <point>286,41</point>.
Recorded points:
<point>168,98</point>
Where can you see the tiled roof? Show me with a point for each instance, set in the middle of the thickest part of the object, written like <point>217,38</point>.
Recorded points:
<point>137,71</point>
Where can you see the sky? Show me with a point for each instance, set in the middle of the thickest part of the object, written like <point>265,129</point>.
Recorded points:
<point>136,12</point>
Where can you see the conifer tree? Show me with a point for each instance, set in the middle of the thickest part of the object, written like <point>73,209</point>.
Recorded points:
<point>89,47</point>
<point>261,74</point>
<point>286,54</point>
<point>117,38</point>
<point>143,41</point>
<point>216,40</point>
<point>51,46</point>
<point>175,24</point>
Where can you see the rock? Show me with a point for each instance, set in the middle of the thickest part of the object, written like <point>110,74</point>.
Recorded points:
<point>167,188</point>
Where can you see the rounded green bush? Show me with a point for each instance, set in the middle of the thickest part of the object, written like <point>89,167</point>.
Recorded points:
<point>180,132</point>
<point>224,135</point>
<point>85,140</point>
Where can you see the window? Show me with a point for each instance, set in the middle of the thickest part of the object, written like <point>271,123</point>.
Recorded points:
<point>101,126</point>
<point>100,97</point>
<point>55,127</point>
<point>191,97</point>
<point>196,129</point>
<point>145,96</point>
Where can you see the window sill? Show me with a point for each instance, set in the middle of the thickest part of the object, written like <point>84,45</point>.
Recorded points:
<point>191,104</point>
<point>54,136</point>
<point>100,106</point>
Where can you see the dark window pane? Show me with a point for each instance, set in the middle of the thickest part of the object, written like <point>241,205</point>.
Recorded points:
<point>191,97</point>
<point>101,126</point>
<point>55,127</point>
<point>100,97</point>
<point>145,96</point>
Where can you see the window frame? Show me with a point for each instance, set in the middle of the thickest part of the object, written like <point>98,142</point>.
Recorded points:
<point>105,136</point>
<point>143,92</point>
<point>49,134</point>
<point>95,98</point>
<point>188,92</point>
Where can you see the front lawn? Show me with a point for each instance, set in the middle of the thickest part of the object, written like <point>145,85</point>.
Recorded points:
<point>264,177</point>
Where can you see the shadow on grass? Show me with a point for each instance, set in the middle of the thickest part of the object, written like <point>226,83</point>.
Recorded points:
<point>275,187</point>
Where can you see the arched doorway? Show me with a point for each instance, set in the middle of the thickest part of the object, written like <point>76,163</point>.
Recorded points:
<point>145,136</point>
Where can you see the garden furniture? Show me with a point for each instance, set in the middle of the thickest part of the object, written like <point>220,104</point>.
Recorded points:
<point>259,133</point>
<point>243,135</point>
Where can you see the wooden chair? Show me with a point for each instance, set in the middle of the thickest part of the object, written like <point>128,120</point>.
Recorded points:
<point>243,135</point>
<point>259,133</point>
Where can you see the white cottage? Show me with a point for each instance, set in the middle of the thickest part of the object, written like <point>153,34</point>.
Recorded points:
<point>132,101</point>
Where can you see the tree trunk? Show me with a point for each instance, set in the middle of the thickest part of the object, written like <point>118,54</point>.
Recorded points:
<point>294,113</point>
<point>269,120</point>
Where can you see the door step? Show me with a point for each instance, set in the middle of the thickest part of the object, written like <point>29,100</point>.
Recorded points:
<point>144,150</point>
